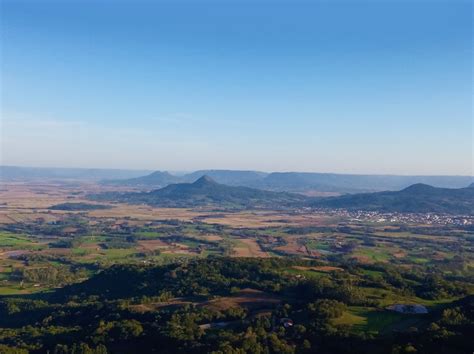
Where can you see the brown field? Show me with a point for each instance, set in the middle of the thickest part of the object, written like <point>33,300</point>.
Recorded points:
<point>5,219</point>
<point>8,254</point>
<point>249,298</point>
<point>400,254</point>
<point>263,219</point>
<point>320,268</point>
<point>145,213</point>
<point>28,196</point>
<point>157,305</point>
<point>180,249</point>
<point>91,246</point>
<point>22,202</point>
<point>151,245</point>
<point>11,216</point>
<point>249,248</point>
<point>246,219</point>
<point>210,237</point>
<point>292,247</point>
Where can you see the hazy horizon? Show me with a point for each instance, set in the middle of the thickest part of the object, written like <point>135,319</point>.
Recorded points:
<point>183,172</point>
<point>332,87</point>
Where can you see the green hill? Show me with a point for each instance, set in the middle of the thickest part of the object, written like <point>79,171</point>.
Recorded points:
<point>228,177</point>
<point>79,206</point>
<point>155,179</point>
<point>418,198</point>
<point>206,192</point>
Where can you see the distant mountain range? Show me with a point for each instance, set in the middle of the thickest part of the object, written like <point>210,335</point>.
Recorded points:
<point>299,181</point>
<point>206,192</point>
<point>418,198</point>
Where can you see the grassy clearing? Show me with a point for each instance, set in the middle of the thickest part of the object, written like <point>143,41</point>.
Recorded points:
<point>350,318</point>
<point>149,234</point>
<point>317,245</point>
<point>93,239</point>
<point>189,243</point>
<point>373,273</point>
<point>418,260</point>
<point>308,273</point>
<point>375,321</point>
<point>373,254</point>
<point>248,248</point>
<point>80,252</point>
<point>9,240</point>
<point>16,289</point>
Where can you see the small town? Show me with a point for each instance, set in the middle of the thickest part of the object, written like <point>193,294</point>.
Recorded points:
<point>399,218</point>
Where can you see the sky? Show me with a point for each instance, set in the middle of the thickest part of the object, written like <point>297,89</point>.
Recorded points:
<point>379,87</point>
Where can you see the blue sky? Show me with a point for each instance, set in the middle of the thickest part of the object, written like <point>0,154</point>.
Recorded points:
<point>328,86</point>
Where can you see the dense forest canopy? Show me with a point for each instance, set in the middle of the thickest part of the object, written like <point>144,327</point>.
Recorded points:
<point>224,305</point>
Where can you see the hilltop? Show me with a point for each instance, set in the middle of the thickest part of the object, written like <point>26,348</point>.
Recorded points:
<point>418,198</point>
<point>155,179</point>
<point>207,192</point>
<point>229,177</point>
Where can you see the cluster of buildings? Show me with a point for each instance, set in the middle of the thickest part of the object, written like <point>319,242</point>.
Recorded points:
<point>404,218</point>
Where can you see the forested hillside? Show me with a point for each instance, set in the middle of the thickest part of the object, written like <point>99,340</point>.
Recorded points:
<point>206,192</point>
<point>419,198</point>
<point>220,305</point>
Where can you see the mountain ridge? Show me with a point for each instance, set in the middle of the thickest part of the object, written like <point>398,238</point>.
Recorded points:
<point>205,192</point>
<point>155,179</point>
<point>302,182</point>
<point>417,198</point>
